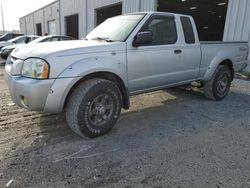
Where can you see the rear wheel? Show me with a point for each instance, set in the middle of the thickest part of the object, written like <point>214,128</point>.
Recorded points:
<point>94,107</point>
<point>218,87</point>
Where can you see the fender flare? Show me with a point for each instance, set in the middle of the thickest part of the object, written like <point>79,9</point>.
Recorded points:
<point>218,59</point>
<point>75,73</point>
<point>99,64</point>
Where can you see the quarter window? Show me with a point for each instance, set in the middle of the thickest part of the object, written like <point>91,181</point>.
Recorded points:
<point>188,30</point>
<point>163,30</point>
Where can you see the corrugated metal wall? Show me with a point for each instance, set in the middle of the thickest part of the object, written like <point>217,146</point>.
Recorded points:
<point>237,27</point>
<point>52,13</point>
<point>43,15</point>
<point>22,23</point>
<point>39,18</point>
<point>131,6</point>
<point>92,6</point>
<point>128,6</point>
<point>30,24</point>
<point>148,5</point>
<point>84,8</point>
<point>68,8</point>
<point>138,5</point>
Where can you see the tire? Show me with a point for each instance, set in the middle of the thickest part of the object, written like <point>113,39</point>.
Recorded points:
<point>94,107</point>
<point>218,87</point>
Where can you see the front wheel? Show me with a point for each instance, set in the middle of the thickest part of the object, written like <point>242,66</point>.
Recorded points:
<point>218,87</point>
<point>94,107</point>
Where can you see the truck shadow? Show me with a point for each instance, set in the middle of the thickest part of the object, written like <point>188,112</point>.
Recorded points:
<point>186,106</point>
<point>186,93</point>
<point>55,126</point>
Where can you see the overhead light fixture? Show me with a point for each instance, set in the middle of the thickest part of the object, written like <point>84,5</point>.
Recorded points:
<point>211,12</point>
<point>193,8</point>
<point>221,4</point>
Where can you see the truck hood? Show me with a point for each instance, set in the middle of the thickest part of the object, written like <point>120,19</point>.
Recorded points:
<point>62,48</point>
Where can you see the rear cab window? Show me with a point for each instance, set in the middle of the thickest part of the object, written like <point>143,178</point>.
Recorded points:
<point>188,30</point>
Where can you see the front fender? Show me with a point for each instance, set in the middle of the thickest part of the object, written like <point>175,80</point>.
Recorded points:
<point>92,65</point>
<point>75,72</point>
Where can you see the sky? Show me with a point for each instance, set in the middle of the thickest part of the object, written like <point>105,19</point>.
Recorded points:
<point>14,9</point>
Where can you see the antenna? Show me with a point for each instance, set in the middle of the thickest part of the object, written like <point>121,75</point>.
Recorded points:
<point>2,17</point>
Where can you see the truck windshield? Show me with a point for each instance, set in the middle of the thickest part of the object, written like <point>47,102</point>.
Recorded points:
<point>116,28</point>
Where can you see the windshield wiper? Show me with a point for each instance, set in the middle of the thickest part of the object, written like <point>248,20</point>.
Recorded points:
<point>103,38</point>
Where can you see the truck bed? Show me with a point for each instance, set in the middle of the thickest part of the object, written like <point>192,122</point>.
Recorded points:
<point>235,51</point>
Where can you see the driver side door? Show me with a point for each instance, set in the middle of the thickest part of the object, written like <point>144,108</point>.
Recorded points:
<point>157,63</point>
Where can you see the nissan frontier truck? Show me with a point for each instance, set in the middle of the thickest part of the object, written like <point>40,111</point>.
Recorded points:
<point>91,80</point>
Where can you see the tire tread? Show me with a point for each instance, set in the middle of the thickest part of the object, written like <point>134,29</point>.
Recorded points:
<point>75,99</point>
<point>208,85</point>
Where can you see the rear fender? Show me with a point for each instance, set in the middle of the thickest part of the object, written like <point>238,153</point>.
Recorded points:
<point>218,59</point>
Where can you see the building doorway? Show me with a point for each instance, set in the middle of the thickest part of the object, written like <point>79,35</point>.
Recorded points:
<point>52,27</point>
<point>72,26</point>
<point>39,29</point>
<point>209,16</point>
<point>107,12</point>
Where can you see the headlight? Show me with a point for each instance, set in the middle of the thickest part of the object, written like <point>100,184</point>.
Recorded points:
<point>35,68</point>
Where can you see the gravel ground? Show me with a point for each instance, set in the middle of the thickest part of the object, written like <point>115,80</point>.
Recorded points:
<point>172,138</point>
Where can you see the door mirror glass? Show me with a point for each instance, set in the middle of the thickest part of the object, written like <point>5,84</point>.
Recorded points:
<point>143,38</point>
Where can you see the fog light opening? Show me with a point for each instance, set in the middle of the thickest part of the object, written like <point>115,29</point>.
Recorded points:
<point>25,101</point>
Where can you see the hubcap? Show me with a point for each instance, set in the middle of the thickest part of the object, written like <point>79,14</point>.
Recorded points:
<point>101,110</point>
<point>222,84</point>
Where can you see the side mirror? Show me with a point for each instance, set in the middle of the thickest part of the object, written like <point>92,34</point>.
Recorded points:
<point>27,40</point>
<point>143,38</point>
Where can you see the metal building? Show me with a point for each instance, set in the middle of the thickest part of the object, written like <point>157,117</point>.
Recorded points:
<point>215,20</point>
<point>78,17</point>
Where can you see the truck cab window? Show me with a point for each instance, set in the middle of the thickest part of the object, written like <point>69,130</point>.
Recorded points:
<point>188,30</point>
<point>163,30</point>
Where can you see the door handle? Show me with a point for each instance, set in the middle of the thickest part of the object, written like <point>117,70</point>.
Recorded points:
<point>178,51</point>
<point>243,49</point>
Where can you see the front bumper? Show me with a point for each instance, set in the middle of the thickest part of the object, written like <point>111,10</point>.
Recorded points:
<point>28,93</point>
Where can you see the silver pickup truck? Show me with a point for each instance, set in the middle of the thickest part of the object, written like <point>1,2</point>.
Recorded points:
<point>92,79</point>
